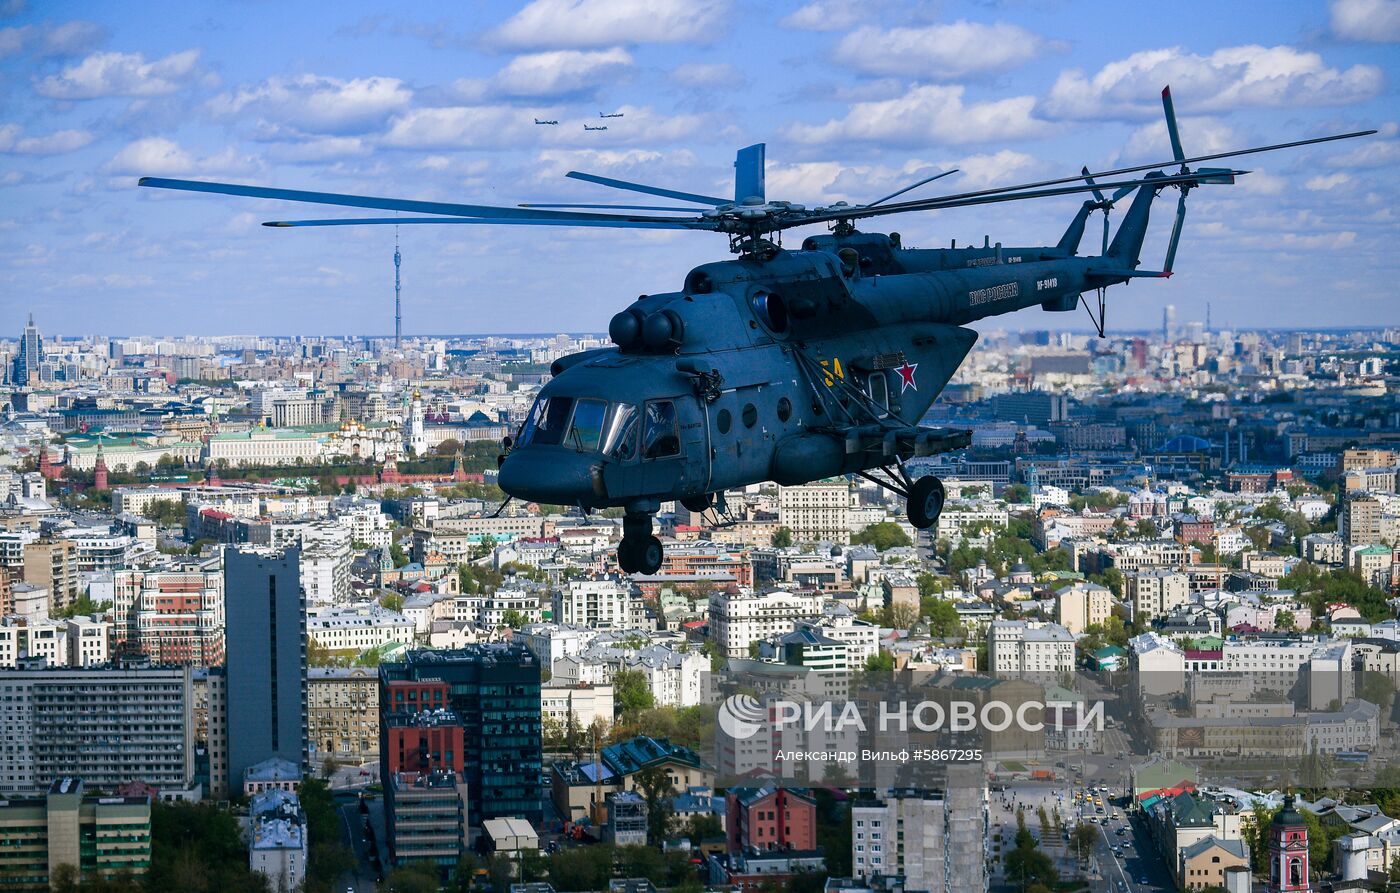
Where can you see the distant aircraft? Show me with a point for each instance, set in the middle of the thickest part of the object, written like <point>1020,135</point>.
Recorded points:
<point>586,127</point>
<point>613,115</point>
<point>538,121</point>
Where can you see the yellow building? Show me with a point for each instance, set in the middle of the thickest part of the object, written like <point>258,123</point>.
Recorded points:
<point>98,836</point>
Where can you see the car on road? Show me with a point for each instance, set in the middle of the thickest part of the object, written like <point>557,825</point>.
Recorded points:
<point>1144,881</point>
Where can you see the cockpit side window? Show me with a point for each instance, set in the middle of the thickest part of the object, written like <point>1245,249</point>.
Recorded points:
<point>660,434</point>
<point>586,429</point>
<point>620,436</point>
<point>546,423</point>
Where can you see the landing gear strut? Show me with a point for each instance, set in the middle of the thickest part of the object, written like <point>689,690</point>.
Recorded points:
<point>640,551</point>
<point>925,502</point>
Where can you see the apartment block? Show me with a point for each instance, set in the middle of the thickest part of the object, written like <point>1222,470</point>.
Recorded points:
<point>1026,647</point>
<point>738,619</point>
<point>935,840</point>
<point>1156,593</point>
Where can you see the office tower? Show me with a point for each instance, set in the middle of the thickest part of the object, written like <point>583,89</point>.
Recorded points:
<point>495,692</point>
<point>1168,322</point>
<point>265,644</point>
<point>30,356</point>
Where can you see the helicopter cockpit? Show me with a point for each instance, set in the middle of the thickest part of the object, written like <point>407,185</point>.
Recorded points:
<point>589,425</point>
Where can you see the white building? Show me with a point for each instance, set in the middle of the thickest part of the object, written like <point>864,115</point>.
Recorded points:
<point>358,627</point>
<point>587,702</point>
<point>601,604</point>
<point>935,840</point>
<point>817,511</point>
<point>89,641</point>
<point>1156,593</point>
<point>739,619</point>
<point>277,844</point>
<point>489,611</point>
<point>1024,647</point>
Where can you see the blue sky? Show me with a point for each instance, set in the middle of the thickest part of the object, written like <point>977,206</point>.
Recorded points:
<point>853,100</point>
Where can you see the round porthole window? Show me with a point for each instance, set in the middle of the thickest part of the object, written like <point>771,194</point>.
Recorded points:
<point>723,421</point>
<point>784,409</point>
<point>750,415</point>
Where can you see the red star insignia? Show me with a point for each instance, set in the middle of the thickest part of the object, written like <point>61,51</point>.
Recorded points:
<point>906,376</point>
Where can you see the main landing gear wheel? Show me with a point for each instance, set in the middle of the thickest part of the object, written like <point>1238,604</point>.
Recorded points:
<point>925,502</point>
<point>640,554</point>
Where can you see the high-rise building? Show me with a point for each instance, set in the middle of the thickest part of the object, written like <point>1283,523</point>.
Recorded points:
<point>111,725</point>
<point>30,357</point>
<point>495,692</point>
<point>53,564</point>
<point>265,644</point>
<point>935,840</point>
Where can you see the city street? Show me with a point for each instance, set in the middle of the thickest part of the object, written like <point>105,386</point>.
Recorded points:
<point>1107,870</point>
<point>362,879</point>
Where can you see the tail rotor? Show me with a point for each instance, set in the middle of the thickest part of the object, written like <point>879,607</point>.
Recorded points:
<point>1104,204</point>
<point>1202,175</point>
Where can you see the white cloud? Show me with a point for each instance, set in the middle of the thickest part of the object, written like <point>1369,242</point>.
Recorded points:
<point>327,148</point>
<point>160,157</point>
<point>311,103</point>
<point>1199,136</point>
<point>56,143</point>
<point>69,38</point>
<point>1000,168</point>
<point>1374,21</point>
<point>120,74</point>
<point>561,73</point>
<point>707,74</point>
<point>1327,182</point>
<point>826,15</point>
<point>928,115</point>
<point>1371,153</point>
<point>601,23</point>
<point>1230,78</point>
<point>941,52</point>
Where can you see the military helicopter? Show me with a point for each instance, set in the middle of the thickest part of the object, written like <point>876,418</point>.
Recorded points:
<point>784,365</point>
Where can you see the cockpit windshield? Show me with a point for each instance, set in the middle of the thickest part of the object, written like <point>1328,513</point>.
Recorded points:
<point>583,424</point>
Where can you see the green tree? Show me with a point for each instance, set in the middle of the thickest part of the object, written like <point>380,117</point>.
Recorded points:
<point>167,512</point>
<point>880,662</point>
<point>631,692</point>
<point>943,618</point>
<point>882,536</point>
<point>782,538</point>
<point>412,878</point>
<point>391,601</point>
<point>1016,493</point>
<point>512,619</point>
<point>398,555</point>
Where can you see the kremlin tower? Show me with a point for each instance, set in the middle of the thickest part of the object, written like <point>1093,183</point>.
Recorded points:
<point>99,471</point>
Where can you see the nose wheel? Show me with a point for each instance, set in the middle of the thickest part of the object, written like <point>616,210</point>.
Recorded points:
<point>925,502</point>
<point>640,552</point>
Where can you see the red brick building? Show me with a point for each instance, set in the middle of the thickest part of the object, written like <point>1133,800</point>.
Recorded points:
<point>423,733</point>
<point>771,818</point>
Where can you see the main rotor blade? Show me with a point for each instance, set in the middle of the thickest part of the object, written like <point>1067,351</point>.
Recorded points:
<point>616,207</point>
<point>920,204</point>
<point>1171,126</point>
<point>494,221</point>
<point>1176,232</point>
<point>365,201</point>
<point>986,199</point>
<point>879,201</point>
<point>649,190</point>
<point>749,174</point>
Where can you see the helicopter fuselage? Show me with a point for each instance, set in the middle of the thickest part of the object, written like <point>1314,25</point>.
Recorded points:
<point>760,368</point>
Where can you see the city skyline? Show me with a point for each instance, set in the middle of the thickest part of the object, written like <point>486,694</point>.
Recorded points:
<point>445,109</point>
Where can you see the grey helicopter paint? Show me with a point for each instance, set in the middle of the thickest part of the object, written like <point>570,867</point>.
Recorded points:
<point>783,365</point>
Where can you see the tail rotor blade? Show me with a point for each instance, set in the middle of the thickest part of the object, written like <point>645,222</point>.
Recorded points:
<point>1098,195</point>
<point>1122,191</point>
<point>1175,137</point>
<point>1176,232</point>
<point>1104,249</point>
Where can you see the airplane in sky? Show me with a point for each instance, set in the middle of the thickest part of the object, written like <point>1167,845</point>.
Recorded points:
<point>538,121</point>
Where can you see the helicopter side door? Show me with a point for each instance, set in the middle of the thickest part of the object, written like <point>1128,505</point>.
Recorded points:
<point>663,464</point>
